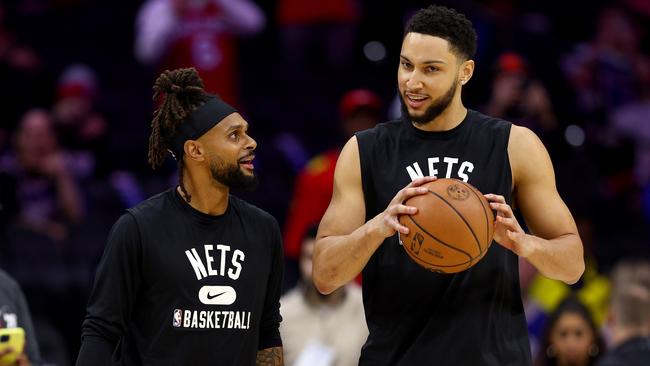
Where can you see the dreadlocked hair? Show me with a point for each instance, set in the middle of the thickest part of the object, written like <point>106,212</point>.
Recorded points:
<point>181,91</point>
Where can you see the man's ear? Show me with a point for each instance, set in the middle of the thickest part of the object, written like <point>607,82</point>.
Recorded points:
<point>194,150</point>
<point>466,71</point>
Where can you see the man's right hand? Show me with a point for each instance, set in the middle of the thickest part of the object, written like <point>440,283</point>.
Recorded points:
<point>387,223</point>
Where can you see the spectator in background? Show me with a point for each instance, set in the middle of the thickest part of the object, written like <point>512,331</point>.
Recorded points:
<point>49,207</point>
<point>328,26</point>
<point>541,295</point>
<point>607,74</point>
<point>15,313</point>
<point>199,33</point>
<point>359,109</point>
<point>323,330</point>
<point>318,39</point>
<point>80,127</point>
<point>605,71</point>
<point>47,195</point>
<point>25,82</point>
<point>570,337</point>
<point>518,97</point>
<point>630,121</point>
<point>629,316</point>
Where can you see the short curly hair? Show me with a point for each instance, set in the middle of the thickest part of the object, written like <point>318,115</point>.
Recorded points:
<point>448,24</point>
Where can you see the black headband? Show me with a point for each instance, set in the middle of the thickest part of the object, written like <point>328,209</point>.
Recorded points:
<point>199,122</point>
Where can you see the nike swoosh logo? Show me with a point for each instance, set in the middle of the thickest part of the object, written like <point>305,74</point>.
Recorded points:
<point>210,296</point>
<point>217,295</point>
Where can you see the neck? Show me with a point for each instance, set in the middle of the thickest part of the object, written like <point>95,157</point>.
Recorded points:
<point>207,195</point>
<point>448,119</point>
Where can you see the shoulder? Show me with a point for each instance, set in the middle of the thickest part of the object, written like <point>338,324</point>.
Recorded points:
<point>483,121</point>
<point>7,282</point>
<point>370,141</point>
<point>152,206</point>
<point>529,160</point>
<point>523,142</point>
<point>125,232</point>
<point>381,129</point>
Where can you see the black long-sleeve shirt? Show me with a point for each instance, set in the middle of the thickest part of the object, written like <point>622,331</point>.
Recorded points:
<point>179,287</point>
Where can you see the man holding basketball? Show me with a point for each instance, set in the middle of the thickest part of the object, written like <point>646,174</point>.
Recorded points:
<point>416,317</point>
<point>191,276</point>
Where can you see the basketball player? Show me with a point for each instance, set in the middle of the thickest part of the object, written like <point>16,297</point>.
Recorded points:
<point>416,317</point>
<point>191,276</point>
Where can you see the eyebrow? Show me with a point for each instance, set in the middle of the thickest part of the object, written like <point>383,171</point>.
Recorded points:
<point>236,127</point>
<point>425,62</point>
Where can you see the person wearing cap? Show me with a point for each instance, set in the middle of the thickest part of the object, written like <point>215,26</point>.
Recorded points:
<point>359,109</point>
<point>191,276</point>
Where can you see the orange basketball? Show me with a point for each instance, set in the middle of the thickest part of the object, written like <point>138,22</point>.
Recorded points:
<point>452,229</point>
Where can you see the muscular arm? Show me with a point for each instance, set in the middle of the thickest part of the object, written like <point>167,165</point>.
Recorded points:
<point>554,247</point>
<point>345,243</point>
<point>270,357</point>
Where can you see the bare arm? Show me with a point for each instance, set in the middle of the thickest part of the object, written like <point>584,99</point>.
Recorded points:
<point>554,246</point>
<point>345,243</point>
<point>270,357</point>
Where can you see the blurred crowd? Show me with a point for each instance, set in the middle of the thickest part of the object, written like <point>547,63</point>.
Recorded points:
<point>75,90</point>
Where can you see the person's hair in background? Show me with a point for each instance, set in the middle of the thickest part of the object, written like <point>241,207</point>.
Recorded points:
<point>630,299</point>
<point>448,24</point>
<point>570,337</point>
<point>629,315</point>
<point>181,92</point>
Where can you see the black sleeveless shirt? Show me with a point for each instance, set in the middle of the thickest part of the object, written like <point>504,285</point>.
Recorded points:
<point>417,317</point>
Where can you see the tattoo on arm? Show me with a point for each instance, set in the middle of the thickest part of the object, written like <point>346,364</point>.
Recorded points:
<point>270,357</point>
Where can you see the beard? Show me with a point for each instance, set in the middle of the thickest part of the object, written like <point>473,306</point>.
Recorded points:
<point>232,176</point>
<point>434,110</point>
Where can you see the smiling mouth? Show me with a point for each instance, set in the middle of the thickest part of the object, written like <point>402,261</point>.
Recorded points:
<point>415,101</point>
<point>247,162</point>
<point>415,97</point>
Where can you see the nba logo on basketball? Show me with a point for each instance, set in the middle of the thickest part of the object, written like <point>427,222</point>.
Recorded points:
<point>177,319</point>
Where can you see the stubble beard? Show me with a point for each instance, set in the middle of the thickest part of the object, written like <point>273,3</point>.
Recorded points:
<point>434,110</point>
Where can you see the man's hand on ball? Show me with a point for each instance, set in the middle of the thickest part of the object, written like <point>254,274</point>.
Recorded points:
<point>507,230</point>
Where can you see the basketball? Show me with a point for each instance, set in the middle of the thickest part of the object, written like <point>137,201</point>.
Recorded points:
<point>452,229</point>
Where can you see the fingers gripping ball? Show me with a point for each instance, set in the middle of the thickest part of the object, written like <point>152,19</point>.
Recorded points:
<point>452,229</point>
